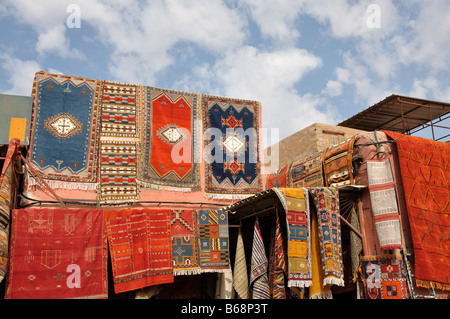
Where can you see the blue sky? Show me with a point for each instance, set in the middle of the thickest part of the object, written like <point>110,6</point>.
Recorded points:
<point>306,61</point>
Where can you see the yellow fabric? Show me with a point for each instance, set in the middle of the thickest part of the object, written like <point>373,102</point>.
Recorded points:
<point>293,192</point>
<point>317,290</point>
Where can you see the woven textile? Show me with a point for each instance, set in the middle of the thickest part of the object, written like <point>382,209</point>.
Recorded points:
<point>140,247</point>
<point>57,253</point>
<point>384,277</point>
<point>425,169</point>
<point>185,242</point>
<point>65,128</point>
<point>232,151</point>
<point>170,146</point>
<point>326,201</point>
<point>277,265</point>
<point>317,290</point>
<point>383,199</point>
<point>307,172</point>
<point>7,188</point>
<point>213,241</point>
<point>259,284</point>
<point>337,164</point>
<point>296,204</point>
<point>278,178</point>
<point>240,278</point>
<point>120,107</point>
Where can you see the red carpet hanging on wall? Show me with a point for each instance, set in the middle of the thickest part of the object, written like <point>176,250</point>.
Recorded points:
<point>57,253</point>
<point>140,247</point>
<point>170,140</point>
<point>425,169</point>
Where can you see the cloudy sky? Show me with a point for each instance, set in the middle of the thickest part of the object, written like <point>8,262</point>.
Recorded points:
<point>306,61</point>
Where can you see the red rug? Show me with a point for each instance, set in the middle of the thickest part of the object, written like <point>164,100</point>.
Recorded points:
<point>425,168</point>
<point>57,254</point>
<point>170,145</point>
<point>140,246</point>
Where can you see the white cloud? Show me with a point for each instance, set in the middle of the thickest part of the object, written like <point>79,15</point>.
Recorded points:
<point>334,88</point>
<point>275,18</point>
<point>271,78</point>
<point>21,74</point>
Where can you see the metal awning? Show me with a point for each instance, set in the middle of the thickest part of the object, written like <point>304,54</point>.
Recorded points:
<point>402,114</point>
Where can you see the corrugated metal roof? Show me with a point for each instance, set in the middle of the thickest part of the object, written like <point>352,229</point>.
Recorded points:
<point>398,114</point>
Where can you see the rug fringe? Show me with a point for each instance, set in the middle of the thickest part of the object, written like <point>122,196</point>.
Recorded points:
<point>300,284</point>
<point>334,281</point>
<point>33,185</point>
<point>323,295</point>
<point>429,284</point>
<point>146,185</point>
<point>226,196</point>
<point>187,272</point>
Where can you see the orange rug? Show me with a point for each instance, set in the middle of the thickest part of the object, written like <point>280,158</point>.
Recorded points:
<point>425,168</point>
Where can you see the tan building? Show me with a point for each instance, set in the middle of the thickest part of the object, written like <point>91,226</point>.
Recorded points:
<point>307,142</point>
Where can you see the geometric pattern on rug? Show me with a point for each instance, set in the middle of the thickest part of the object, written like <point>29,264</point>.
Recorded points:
<point>384,277</point>
<point>213,240</point>
<point>119,142</point>
<point>307,172</point>
<point>326,201</point>
<point>57,253</point>
<point>383,197</point>
<point>337,164</point>
<point>65,130</point>
<point>232,159</point>
<point>425,170</point>
<point>140,246</point>
<point>185,242</point>
<point>296,205</point>
<point>170,140</point>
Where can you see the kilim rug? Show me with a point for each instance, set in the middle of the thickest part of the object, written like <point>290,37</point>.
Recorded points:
<point>57,254</point>
<point>185,242</point>
<point>279,178</point>
<point>213,241</point>
<point>7,190</point>
<point>120,136</point>
<point>259,284</point>
<point>240,277</point>
<point>425,169</point>
<point>277,265</point>
<point>317,290</point>
<point>65,130</point>
<point>232,150</point>
<point>384,277</point>
<point>140,247</point>
<point>383,197</point>
<point>326,201</point>
<point>170,140</point>
<point>307,172</point>
<point>337,164</point>
<point>296,204</point>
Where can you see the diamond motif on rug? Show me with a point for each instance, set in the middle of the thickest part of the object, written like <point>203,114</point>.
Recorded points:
<point>63,125</point>
<point>171,134</point>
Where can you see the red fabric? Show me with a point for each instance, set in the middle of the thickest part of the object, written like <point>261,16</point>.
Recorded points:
<point>425,168</point>
<point>279,178</point>
<point>51,247</point>
<point>140,246</point>
<point>177,114</point>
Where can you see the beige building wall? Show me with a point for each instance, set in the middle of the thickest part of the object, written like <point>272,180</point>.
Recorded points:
<point>309,141</point>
